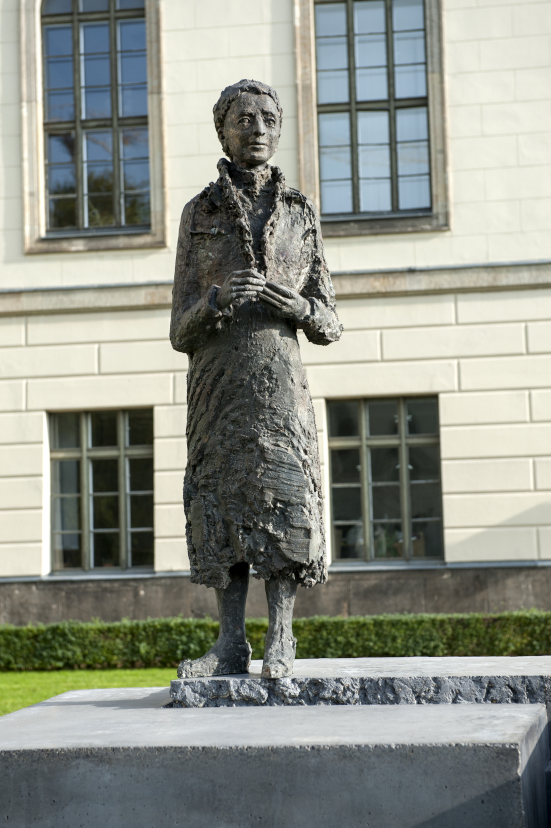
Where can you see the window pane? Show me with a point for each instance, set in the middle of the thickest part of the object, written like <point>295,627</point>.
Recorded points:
<point>343,418</point>
<point>375,195</point>
<point>407,14</point>
<point>333,87</point>
<point>141,511</point>
<point>95,38</point>
<point>67,514</point>
<point>411,81</point>
<point>414,192</point>
<point>105,475</point>
<point>384,464</point>
<point>370,50</point>
<point>348,541</point>
<point>105,512</point>
<point>103,428</point>
<point>105,549</point>
<point>132,36</point>
<point>67,551</point>
<point>136,175</point>
<point>388,540</point>
<point>345,465</point>
<point>382,417</point>
<point>66,477</point>
<point>61,148</point>
<point>57,7</point>
<point>386,502</point>
<point>141,548</point>
<point>62,212</point>
<point>426,500</point>
<point>134,143</point>
<point>369,17</point>
<point>133,68</point>
<point>413,158</point>
<point>330,19</point>
<point>94,5</point>
<point>427,541</point>
<point>371,85</point>
<point>136,209</point>
<point>336,197</point>
<point>99,178</point>
<point>422,416</point>
<point>60,106</point>
<point>59,73</point>
<point>133,101</point>
<point>332,53</point>
<point>96,71</point>
<point>97,103</point>
<point>424,463</point>
<point>58,41</point>
<point>100,211</point>
<point>373,128</point>
<point>409,47</point>
<point>141,474</point>
<point>347,503</point>
<point>98,145</point>
<point>130,4</point>
<point>335,163</point>
<point>411,124</point>
<point>61,180</point>
<point>65,430</point>
<point>374,161</point>
<point>140,428</point>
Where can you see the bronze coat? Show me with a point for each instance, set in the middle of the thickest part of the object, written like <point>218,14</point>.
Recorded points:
<point>252,488</point>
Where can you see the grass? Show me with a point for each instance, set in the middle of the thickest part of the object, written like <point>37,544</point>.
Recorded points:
<point>19,690</point>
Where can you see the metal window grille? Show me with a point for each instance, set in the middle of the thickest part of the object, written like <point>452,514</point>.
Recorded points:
<point>372,108</point>
<point>95,108</point>
<point>102,489</point>
<point>386,499</point>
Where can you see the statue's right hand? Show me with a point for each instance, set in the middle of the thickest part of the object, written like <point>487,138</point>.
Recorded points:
<point>240,284</point>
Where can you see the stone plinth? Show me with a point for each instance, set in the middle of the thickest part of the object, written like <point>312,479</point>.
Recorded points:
<point>116,758</point>
<point>377,681</point>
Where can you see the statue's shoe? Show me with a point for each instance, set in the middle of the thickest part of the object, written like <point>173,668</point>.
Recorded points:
<point>218,662</point>
<point>278,662</point>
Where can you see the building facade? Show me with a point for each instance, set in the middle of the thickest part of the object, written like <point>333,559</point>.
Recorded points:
<point>421,129</point>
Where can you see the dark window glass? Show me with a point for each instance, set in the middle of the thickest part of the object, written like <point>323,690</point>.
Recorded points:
<point>66,477</point>
<point>67,551</point>
<point>105,475</point>
<point>58,73</point>
<point>141,549</point>
<point>140,428</point>
<point>106,549</point>
<point>141,474</point>
<point>347,503</point>
<point>388,541</point>
<point>344,419</point>
<point>57,7</point>
<point>382,418</point>
<point>94,5</point>
<point>65,430</point>
<point>130,4</point>
<point>348,541</point>
<point>103,428</point>
<point>345,465</point>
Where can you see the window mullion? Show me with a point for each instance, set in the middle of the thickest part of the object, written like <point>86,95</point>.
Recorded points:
<point>79,156</point>
<point>404,480</point>
<point>392,107</point>
<point>123,536</point>
<point>353,115</point>
<point>115,115</point>
<point>85,496</point>
<point>366,499</point>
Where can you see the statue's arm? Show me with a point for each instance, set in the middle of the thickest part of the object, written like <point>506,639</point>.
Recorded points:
<point>194,316</point>
<point>321,324</point>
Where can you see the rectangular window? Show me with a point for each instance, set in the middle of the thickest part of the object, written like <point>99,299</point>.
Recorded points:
<point>102,489</point>
<point>377,162</point>
<point>386,499</point>
<point>96,127</point>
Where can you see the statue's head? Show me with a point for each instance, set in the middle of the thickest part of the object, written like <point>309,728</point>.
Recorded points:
<point>247,117</point>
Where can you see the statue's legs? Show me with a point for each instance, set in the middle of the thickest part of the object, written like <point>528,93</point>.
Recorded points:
<point>232,652</point>
<point>279,653</point>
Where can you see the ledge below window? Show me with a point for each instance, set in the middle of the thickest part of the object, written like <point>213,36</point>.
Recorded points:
<point>360,225</point>
<point>83,242</point>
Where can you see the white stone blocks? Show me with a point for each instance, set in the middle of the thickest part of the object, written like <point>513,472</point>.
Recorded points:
<point>137,357</point>
<point>20,525</point>
<point>107,326</point>
<point>515,52</point>
<point>511,509</point>
<point>170,454</point>
<point>541,405</point>
<point>21,492</point>
<point>170,420</point>
<point>397,311</point>
<point>491,544</point>
<point>542,467</point>
<point>12,331</point>
<point>506,372</point>
<point>354,346</point>
<point>20,559</point>
<point>544,541</point>
<point>48,361</point>
<point>170,521</point>
<point>171,555</point>
<point>462,24</point>
<point>374,379</point>
<point>452,341</point>
<point>21,460</point>
<point>168,486</point>
<point>464,476</point>
<point>81,393</point>
<point>487,407</point>
<point>470,442</point>
<point>539,336</point>
<point>12,396</point>
<point>21,427</point>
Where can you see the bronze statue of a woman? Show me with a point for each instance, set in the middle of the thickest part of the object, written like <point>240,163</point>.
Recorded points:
<point>250,271</point>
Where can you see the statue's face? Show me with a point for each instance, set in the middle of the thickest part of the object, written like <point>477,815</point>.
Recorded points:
<point>251,130</point>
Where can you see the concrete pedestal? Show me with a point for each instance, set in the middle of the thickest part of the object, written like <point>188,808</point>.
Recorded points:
<point>120,758</point>
<point>377,681</point>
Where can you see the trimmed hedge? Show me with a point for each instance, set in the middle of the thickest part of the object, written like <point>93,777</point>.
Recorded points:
<point>163,642</point>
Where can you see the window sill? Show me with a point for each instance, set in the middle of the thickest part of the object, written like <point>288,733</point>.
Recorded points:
<point>362,226</point>
<point>84,242</point>
<point>377,566</point>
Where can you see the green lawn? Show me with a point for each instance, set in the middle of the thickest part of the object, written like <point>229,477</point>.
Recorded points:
<point>19,690</point>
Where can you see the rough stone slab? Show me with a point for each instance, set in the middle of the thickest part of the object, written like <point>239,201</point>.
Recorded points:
<point>500,680</point>
<point>118,758</point>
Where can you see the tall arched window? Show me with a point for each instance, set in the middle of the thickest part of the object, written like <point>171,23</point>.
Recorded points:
<point>95,117</point>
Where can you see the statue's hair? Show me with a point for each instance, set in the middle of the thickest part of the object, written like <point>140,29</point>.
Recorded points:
<point>230,94</point>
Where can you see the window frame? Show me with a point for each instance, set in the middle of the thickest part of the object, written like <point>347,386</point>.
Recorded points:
<point>361,224</point>
<point>363,442</point>
<point>36,237</point>
<point>121,452</point>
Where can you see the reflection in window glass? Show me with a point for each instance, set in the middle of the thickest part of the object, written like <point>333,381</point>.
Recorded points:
<point>386,497</point>
<point>370,50</point>
<point>98,178</point>
<point>61,178</point>
<point>58,73</point>
<point>132,62</point>
<point>135,176</point>
<point>95,72</point>
<point>335,163</point>
<point>331,53</point>
<point>374,162</point>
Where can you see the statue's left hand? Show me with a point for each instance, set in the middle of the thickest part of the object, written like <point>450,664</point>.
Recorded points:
<point>286,301</point>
